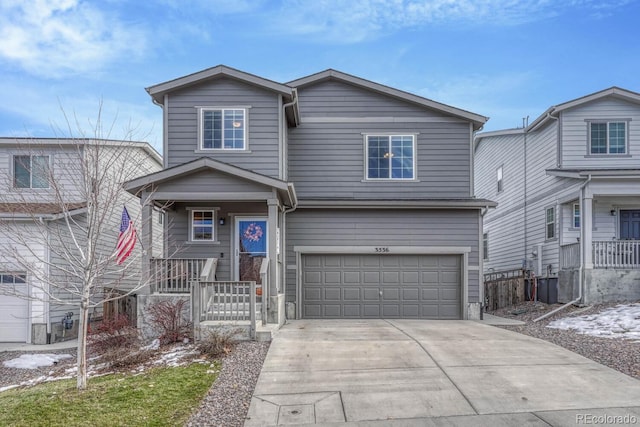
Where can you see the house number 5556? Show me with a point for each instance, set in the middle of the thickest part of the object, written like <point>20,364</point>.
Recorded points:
<point>382,249</point>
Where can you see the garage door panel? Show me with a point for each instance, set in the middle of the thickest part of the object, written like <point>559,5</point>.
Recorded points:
<point>391,310</point>
<point>312,294</point>
<point>410,294</point>
<point>332,294</point>
<point>411,311</point>
<point>371,310</point>
<point>313,277</point>
<point>371,277</point>
<point>351,277</point>
<point>370,294</point>
<point>410,277</point>
<point>391,294</point>
<point>379,286</point>
<point>332,277</point>
<point>352,310</point>
<point>352,294</point>
<point>391,277</point>
<point>429,277</point>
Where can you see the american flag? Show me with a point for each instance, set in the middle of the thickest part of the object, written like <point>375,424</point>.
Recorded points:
<point>126,238</point>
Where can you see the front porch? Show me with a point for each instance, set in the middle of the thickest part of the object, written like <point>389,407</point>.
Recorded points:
<point>222,241</point>
<point>599,252</point>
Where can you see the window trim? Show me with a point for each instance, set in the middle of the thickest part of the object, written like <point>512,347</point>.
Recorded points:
<point>547,223</point>
<point>414,146</point>
<point>200,145</point>
<point>608,122</point>
<point>500,178</point>
<point>30,187</point>
<point>214,228</point>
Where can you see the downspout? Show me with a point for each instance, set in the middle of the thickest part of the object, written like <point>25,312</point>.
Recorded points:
<point>483,212</point>
<point>582,250</point>
<point>285,138</point>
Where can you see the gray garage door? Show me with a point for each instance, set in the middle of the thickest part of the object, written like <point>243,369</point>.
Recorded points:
<point>381,286</point>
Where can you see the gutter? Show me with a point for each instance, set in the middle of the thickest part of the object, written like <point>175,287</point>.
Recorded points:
<point>581,270</point>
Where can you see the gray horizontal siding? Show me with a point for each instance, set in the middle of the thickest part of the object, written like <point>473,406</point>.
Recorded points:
<point>178,245</point>
<point>262,119</point>
<point>321,227</point>
<point>211,181</point>
<point>328,159</point>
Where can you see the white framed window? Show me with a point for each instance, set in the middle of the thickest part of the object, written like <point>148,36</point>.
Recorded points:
<point>550,223</point>
<point>608,137</point>
<point>499,179</point>
<point>30,171</point>
<point>202,227</point>
<point>485,246</point>
<point>390,157</point>
<point>223,128</point>
<point>576,215</point>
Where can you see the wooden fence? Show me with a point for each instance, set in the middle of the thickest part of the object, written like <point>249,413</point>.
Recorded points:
<point>504,288</point>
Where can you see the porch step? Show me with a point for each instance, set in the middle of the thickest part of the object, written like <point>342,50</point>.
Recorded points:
<point>265,333</point>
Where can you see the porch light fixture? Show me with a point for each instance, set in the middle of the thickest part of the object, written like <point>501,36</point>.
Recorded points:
<point>221,221</point>
<point>613,212</point>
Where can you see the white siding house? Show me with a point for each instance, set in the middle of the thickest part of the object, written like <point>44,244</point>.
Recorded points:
<point>41,187</point>
<point>569,204</point>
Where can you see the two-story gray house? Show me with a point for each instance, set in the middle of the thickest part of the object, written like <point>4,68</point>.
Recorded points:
<point>568,193</point>
<point>359,196</point>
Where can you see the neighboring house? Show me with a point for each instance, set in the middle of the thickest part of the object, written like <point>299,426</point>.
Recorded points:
<point>359,196</point>
<point>568,193</point>
<point>41,186</point>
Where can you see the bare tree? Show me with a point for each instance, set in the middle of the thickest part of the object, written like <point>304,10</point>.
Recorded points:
<point>60,222</point>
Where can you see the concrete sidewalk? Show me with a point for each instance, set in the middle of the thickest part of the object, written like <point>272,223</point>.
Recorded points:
<point>12,346</point>
<point>431,373</point>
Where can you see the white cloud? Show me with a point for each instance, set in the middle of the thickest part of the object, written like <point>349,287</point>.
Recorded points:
<point>360,20</point>
<point>52,38</point>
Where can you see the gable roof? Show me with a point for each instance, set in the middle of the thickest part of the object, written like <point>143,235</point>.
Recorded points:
<point>614,91</point>
<point>331,74</point>
<point>285,189</point>
<point>551,112</point>
<point>158,91</point>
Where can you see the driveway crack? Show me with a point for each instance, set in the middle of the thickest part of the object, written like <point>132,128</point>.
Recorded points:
<point>436,363</point>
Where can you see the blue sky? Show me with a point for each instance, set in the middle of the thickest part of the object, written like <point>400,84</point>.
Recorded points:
<point>66,63</point>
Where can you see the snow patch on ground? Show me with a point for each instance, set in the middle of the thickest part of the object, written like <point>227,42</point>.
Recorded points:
<point>621,321</point>
<point>34,361</point>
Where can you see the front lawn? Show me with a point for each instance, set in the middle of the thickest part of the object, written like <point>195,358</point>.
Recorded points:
<point>164,396</point>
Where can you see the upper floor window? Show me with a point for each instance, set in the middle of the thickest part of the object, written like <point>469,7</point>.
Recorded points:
<point>223,129</point>
<point>31,171</point>
<point>550,223</point>
<point>390,156</point>
<point>608,138</point>
<point>499,178</point>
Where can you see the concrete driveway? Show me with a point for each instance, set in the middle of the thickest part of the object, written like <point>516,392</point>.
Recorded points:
<point>432,373</point>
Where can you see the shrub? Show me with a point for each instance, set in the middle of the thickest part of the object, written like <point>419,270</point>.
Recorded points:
<point>217,342</point>
<point>112,332</point>
<point>167,318</point>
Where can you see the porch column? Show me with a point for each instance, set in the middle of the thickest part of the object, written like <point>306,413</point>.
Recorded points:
<point>273,257</point>
<point>146,240</point>
<point>587,229</point>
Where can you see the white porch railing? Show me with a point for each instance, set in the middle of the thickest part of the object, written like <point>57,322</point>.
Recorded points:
<point>174,275</point>
<point>616,254</point>
<point>224,302</point>
<point>570,255</point>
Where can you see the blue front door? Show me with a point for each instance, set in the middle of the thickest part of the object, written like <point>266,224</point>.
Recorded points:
<point>629,224</point>
<point>251,247</point>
